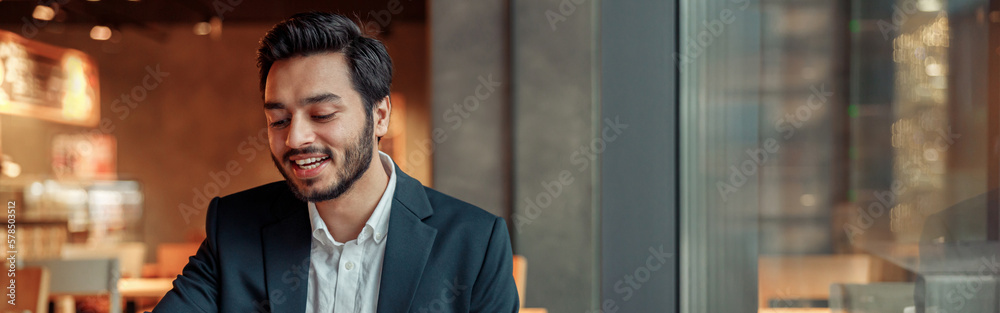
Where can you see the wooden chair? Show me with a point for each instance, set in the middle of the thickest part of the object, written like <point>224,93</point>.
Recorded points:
<point>520,279</point>
<point>130,255</point>
<point>69,278</point>
<point>32,287</point>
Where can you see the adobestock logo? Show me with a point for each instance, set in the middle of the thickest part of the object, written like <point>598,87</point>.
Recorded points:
<point>712,29</point>
<point>552,189</point>
<point>627,286</point>
<point>129,101</point>
<point>455,117</point>
<point>249,148</point>
<point>866,215</point>
<point>32,25</point>
<point>565,9</point>
<point>787,126</point>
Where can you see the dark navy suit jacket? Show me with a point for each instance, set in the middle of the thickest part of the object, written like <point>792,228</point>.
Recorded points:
<point>441,255</point>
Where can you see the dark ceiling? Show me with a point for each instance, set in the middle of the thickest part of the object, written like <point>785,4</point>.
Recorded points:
<point>146,12</point>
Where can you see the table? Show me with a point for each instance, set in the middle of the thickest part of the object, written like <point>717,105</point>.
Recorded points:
<point>144,287</point>
<point>131,288</point>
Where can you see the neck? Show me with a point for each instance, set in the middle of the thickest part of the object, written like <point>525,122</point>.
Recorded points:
<point>346,215</point>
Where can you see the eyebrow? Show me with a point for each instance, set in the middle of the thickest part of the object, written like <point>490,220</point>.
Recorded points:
<point>326,97</point>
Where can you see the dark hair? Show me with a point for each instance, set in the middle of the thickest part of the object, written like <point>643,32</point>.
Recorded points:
<point>316,32</point>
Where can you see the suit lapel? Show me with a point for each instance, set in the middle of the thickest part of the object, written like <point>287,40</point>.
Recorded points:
<point>286,250</point>
<point>408,245</point>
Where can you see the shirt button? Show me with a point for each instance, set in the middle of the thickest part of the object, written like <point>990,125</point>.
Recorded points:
<point>349,265</point>
<point>378,236</point>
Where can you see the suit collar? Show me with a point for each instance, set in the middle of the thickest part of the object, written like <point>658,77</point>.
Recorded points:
<point>286,264</point>
<point>410,193</point>
<point>286,245</point>
<point>408,245</point>
<point>377,224</point>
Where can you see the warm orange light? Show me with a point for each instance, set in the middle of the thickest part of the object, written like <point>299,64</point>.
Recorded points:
<point>202,28</point>
<point>4,98</point>
<point>100,33</point>
<point>44,13</point>
<point>76,103</point>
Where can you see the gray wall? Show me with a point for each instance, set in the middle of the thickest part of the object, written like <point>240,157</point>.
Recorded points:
<point>570,155</point>
<point>639,166</point>
<point>547,78</point>
<point>553,60</point>
<point>470,102</point>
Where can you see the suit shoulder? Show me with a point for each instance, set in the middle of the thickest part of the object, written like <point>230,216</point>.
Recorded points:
<point>252,206</point>
<point>453,208</point>
<point>257,196</point>
<point>259,191</point>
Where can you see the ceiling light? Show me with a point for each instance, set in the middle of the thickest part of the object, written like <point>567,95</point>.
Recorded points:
<point>44,13</point>
<point>202,28</point>
<point>100,33</point>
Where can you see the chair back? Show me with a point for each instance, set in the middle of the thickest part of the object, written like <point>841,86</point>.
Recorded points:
<point>32,291</point>
<point>520,275</point>
<point>130,255</point>
<point>83,277</point>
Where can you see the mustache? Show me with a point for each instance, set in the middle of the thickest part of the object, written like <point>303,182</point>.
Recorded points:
<point>306,150</point>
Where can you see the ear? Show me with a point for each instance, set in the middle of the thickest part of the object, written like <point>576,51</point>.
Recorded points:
<point>382,111</point>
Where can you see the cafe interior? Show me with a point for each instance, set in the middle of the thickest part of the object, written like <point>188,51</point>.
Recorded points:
<point>789,156</point>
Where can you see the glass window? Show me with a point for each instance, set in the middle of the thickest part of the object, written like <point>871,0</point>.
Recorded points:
<point>862,155</point>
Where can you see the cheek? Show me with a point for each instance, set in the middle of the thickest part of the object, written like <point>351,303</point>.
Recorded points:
<point>336,135</point>
<point>275,141</point>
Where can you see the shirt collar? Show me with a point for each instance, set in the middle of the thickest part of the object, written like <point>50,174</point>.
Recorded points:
<point>377,225</point>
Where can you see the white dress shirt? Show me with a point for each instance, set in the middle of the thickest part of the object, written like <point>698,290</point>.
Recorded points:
<point>344,277</point>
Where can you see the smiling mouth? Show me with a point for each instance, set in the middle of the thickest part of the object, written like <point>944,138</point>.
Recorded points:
<point>310,163</point>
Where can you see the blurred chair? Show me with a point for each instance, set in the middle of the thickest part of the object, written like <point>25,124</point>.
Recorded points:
<point>962,292</point>
<point>874,297</point>
<point>32,291</point>
<point>70,278</point>
<point>172,257</point>
<point>520,279</point>
<point>130,255</point>
<point>799,281</point>
<point>520,274</point>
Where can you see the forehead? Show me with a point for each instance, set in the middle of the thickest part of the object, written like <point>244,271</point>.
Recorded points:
<point>299,77</point>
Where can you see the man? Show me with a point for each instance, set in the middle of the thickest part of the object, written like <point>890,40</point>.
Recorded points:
<point>347,231</point>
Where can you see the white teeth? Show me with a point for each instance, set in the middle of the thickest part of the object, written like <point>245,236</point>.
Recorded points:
<point>302,163</point>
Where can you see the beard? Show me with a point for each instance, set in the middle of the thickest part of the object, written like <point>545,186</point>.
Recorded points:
<point>357,160</point>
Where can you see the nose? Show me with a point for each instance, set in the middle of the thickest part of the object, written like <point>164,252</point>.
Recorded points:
<point>300,134</point>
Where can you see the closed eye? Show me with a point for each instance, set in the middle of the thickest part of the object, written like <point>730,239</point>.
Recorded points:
<point>323,117</point>
<point>280,123</point>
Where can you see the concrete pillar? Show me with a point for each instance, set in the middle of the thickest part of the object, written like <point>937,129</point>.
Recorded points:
<point>554,66</point>
<point>515,149</point>
<point>470,105</point>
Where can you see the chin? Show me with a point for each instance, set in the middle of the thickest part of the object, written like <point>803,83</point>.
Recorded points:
<point>318,189</point>
<point>316,184</point>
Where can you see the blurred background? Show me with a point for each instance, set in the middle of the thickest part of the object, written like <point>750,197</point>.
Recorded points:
<point>648,156</point>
